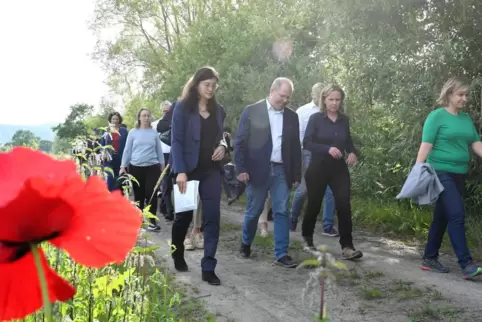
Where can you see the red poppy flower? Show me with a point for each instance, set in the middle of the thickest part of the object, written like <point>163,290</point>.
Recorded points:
<point>94,226</point>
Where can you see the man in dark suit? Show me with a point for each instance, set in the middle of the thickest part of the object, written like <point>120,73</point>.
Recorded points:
<point>164,125</point>
<point>267,155</point>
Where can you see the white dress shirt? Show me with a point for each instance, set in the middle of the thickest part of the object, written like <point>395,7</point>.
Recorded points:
<point>276,126</point>
<point>304,113</point>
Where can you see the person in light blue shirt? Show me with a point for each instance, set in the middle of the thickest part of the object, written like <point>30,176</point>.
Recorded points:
<point>144,160</point>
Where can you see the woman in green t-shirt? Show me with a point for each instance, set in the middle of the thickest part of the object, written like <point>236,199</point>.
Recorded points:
<point>447,135</point>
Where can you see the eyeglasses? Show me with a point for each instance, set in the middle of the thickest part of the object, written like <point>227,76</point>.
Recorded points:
<point>210,85</point>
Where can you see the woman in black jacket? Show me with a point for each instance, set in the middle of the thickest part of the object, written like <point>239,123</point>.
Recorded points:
<point>328,139</point>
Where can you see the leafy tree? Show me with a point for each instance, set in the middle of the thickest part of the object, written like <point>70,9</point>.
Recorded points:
<point>391,57</point>
<point>74,125</point>
<point>24,138</point>
<point>100,119</point>
<point>45,146</point>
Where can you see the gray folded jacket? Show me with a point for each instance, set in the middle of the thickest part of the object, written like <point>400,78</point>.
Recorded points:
<point>422,185</point>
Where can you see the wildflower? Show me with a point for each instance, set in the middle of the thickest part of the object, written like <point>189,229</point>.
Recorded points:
<point>43,199</point>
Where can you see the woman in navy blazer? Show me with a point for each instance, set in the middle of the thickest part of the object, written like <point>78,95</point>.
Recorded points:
<point>115,138</point>
<point>197,147</point>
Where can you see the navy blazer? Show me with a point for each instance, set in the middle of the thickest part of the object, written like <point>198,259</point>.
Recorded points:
<point>107,140</point>
<point>186,137</point>
<point>253,145</point>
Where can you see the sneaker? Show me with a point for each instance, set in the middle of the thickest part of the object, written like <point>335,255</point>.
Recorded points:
<point>293,224</point>
<point>245,251</point>
<point>188,244</point>
<point>308,245</point>
<point>154,227</point>
<point>263,229</point>
<point>433,265</point>
<point>471,271</point>
<point>331,232</point>
<point>286,261</point>
<point>211,278</point>
<point>198,241</point>
<point>351,253</point>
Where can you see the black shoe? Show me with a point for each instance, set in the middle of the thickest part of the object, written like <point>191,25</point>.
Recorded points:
<point>180,264</point>
<point>169,217</point>
<point>211,278</point>
<point>154,227</point>
<point>245,251</point>
<point>286,261</point>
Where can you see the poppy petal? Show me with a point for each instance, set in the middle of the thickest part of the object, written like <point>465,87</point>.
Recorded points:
<point>20,164</point>
<point>37,212</point>
<point>104,225</point>
<point>20,293</point>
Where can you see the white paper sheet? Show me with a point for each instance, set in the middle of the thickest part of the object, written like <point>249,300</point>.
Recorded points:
<point>165,148</point>
<point>188,200</point>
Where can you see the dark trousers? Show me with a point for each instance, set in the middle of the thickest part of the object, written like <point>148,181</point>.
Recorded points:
<point>449,214</point>
<point>335,174</point>
<point>166,187</point>
<point>144,192</point>
<point>114,165</point>
<point>210,195</point>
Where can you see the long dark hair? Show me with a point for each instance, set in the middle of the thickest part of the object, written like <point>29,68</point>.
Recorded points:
<point>190,95</point>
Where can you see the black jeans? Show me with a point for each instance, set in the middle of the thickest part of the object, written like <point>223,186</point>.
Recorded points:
<point>144,192</point>
<point>335,174</point>
<point>210,195</point>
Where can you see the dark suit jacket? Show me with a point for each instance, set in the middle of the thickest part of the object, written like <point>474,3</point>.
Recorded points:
<point>253,144</point>
<point>164,124</point>
<point>186,137</point>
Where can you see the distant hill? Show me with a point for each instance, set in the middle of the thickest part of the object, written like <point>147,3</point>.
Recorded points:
<point>44,131</point>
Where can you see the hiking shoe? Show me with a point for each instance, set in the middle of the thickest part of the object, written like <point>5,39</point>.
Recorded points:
<point>351,253</point>
<point>433,265</point>
<point>293,224</point>
<point>188,244</point>
<point>286,261</point>
<point>245,251</point>
<point>471,271</point>
<point>331,232</point>
<point>154,227</point>
<point>308,245</point>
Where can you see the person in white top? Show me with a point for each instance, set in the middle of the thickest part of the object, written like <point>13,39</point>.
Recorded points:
<point>304,113</point>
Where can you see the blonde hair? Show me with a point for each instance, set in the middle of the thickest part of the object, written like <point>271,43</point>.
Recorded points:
<point>316,92</point>
<point>451,86</point>
<point>186,89</point>
<point>327,91</point>
<point>138,122</point>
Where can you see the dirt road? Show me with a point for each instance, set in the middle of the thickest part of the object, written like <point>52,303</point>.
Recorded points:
<point>386,285</point>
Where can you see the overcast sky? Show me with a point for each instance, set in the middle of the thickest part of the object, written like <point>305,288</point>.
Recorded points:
<point>44,60</point>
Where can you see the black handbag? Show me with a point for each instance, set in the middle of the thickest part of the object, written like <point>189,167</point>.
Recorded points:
<point>166,137</point>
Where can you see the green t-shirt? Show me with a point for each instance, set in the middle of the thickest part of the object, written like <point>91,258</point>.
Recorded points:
<point>451,136</point>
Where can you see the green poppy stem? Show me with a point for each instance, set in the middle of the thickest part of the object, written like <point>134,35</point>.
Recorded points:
<point>43,283</point>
